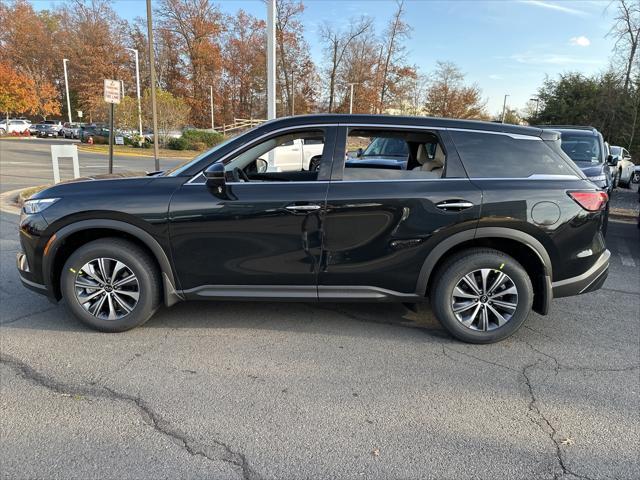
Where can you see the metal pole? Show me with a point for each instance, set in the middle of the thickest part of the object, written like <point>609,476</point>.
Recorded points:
<point>111,115</point>
<point>152,70</point>
<point>135,51</point>
<point>293,94</point>
<point>504,107</point>
<point>213,127</point>
<point>537,100</point>
<point>271,59</point>
<point>351,98</point>
<point>66,86</point>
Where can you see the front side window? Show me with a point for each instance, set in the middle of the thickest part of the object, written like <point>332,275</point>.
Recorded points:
<point>288,157</point>
<point>380,154</point>
<point>489,155</point>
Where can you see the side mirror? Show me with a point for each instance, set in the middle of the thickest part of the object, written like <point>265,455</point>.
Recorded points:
<point>215,175</point>
<point>359,152</point>
<point>261,165</point>
<point>611,160</point>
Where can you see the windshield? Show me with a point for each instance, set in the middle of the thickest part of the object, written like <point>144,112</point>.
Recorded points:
<point>395,147</point>
<point>616,150</point>
<point>177,171</point>
<point>581,148</point>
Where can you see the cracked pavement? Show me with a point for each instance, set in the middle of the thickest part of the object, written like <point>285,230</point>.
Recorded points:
<point>280,391</point>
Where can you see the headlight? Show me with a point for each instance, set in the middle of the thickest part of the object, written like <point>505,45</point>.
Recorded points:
<point>38,205</point>
<point>598,178</point>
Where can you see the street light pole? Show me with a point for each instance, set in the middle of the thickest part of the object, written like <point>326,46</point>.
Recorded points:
<point>537,100</point>
<point>135,51</point>
<point>66,86</point>
<point>213,127</point>
<point>152,71</point>
<point>351,98</point>
<point>504,107</point>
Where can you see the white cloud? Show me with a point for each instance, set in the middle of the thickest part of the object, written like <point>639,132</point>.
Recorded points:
<point>554,6</point>
<point>495,76</point>
<point>580,41</point>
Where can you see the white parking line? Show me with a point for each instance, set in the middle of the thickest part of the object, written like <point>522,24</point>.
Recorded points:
<point>625,254</point>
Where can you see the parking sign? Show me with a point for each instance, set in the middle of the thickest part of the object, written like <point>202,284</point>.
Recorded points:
<point>112,91</point>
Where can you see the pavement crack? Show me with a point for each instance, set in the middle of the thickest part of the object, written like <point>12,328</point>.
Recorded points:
<point>22,317</point>
<point>545,425</point>
<point>219,451</point>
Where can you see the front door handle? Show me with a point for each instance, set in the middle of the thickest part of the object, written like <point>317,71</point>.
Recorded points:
<point>454,205</point>
<point>303,208</point>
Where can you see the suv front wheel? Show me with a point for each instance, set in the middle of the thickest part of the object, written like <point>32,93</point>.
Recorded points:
<point>111,284</point>
<point>481,295</point>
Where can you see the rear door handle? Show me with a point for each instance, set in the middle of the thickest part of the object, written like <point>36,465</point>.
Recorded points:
<point>454,205</point>
<point>303,208</point>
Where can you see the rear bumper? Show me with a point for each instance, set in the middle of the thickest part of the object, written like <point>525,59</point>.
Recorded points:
<point>589,281</point>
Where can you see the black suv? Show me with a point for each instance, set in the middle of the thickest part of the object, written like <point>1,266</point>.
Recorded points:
<point>487,221</point>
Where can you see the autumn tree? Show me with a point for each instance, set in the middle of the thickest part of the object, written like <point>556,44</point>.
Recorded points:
<point>296,74</point>
<point>626,32</point>
<point>196,26</point>
<point>336,44</point>
<point>173,112</point>
<point>392,53</point>
<point>448,96</point>
<point>16,91</point>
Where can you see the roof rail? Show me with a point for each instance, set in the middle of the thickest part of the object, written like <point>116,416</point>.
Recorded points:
<point>569,127</point>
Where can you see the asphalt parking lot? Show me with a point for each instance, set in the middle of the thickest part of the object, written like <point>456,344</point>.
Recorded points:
<point>278,390</point>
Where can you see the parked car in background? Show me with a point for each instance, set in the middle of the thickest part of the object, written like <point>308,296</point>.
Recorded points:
<point>98,132</point>
<point>48,130</point>
<point>636,176</point>
<point>53,126</point>
<point>622,165</point>
<point>297,153</point>
<point>494,225</point>
<point>37,129</point>
<point>14,125</point>
<point>382,152</point>
<point>71,130</point>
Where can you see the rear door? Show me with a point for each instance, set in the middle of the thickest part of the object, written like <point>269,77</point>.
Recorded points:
<point>381,222</point>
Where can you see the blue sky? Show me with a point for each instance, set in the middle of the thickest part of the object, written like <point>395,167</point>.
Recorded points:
<point>505,46</point>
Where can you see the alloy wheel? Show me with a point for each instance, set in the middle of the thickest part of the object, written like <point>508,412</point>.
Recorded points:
<point>484,299</point>
<point>107,288</point>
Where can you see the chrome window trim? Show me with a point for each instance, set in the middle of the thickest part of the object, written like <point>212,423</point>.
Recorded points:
<point>192,180</point>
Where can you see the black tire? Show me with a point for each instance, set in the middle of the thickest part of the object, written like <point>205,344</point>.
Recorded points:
<point>471,260</point>
<point>136,260</point>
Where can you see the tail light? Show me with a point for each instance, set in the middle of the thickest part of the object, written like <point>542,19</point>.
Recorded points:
<point>591,201</point>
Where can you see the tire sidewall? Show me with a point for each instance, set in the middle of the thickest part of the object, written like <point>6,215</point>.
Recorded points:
<point>454,273</point>
<point>147,302</point>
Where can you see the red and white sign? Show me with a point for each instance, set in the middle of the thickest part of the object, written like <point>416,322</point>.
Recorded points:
<point>111,91</point>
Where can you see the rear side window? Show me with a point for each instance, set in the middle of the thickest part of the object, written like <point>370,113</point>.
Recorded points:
<point>487,155</point>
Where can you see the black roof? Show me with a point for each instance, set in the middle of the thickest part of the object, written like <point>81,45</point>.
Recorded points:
<point>403,120</point>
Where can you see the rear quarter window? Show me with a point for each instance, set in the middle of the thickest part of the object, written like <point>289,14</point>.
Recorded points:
<point>487,155</point>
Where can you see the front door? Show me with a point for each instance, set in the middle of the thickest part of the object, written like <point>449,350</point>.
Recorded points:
<point>260,236</point>
<point>384,216</point>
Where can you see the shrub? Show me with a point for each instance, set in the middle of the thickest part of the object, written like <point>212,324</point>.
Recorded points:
<point>209,139</point>
<point>178,143</point>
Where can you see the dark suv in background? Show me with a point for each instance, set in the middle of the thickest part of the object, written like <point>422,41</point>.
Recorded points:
<point>487,221</point>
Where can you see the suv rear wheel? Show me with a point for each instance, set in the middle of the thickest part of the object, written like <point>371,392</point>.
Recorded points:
<point>481,295</point>
<point>111,284</point>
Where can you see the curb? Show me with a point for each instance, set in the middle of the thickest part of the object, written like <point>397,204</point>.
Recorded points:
<point>7,201</point>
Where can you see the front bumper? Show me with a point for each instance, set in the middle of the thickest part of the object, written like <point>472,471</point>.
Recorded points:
<point>589,281</point>
<point>26,276</point>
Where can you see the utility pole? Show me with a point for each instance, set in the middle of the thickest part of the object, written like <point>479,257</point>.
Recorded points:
<point>351,85</point>
<point>135,51</point>
<point>152,71</point>
<point>213,127</point>
<point>66,86</point>
<point>271,59</point>
<point>504,107</point>
<point>293,93</point>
